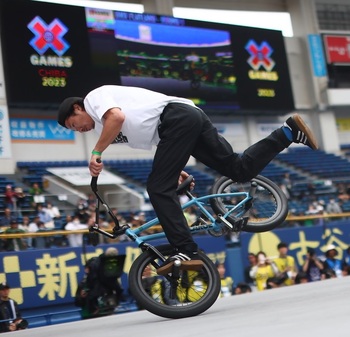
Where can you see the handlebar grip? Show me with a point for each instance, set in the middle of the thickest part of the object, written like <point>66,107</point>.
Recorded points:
<point>93,183</point>
<point>184,186</point>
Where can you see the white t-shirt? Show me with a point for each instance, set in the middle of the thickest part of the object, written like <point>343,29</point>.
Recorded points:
<point>141,107</point>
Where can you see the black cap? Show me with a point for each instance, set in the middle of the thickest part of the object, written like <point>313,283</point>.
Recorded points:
<point>66,108</point>
<point>4,285</point>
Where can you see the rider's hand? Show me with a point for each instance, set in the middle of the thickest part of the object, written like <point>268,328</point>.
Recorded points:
<point>95,165</point>
<point>183,176</point>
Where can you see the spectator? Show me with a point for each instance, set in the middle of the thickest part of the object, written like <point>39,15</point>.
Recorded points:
<point>42,242</point>
<point>25,226</point>
<point>286,264</point>
<point>14,244</point>
<point>53,211</point>
<point>101,291</point>
<point>152,284</point>
<point>312,266</point>
<point>32,228</point>
<point>328,274</point>
<point>20,200</point>
<point>10,198</point>
<point>242,288</point>
<point>76,239</point>
<point>6,219</point>
<point>82,204</point>
<point>45,216</point>
<point>301,277</point>
<point>158,289</point>
<point>333,207</point>
<point>37,197</point>
<point>252,258</point>
<point>9,312</point>
<point>226,281</point>
<point>82,211</point>
<point>33,225</point>
<point>346,261</point>
<point>332,263</point>
<point>263,271</point>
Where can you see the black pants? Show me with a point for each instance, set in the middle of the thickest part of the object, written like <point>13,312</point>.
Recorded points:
<point>186,131</point>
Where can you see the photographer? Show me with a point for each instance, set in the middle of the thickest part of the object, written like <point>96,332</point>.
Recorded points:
<point>100,291</point>
<point>312,266</point>
<point>10,316</point>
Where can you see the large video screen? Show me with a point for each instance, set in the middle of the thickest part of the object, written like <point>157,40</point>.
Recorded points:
<point>53,51</point>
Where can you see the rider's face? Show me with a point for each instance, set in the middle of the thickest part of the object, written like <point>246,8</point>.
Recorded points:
<point>80,120</point>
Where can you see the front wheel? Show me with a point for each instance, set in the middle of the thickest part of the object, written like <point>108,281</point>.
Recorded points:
<point>267,210</point>
<point>187,294</point>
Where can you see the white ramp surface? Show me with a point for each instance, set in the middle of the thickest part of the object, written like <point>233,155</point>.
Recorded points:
<point>313,309</point>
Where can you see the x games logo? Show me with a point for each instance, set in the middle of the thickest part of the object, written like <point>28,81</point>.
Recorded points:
<point>48,36</point>
<point>260,57</point>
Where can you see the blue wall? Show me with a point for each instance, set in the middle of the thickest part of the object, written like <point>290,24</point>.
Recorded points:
<point>41,278</point>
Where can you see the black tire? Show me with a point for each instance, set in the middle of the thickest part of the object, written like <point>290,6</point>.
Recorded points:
<point>269,207</point>
<point>196,291</point>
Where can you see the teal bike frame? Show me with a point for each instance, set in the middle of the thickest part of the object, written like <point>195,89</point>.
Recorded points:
<point>212,223</point>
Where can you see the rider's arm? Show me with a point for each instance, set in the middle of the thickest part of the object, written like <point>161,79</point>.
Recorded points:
<point>113,120</point>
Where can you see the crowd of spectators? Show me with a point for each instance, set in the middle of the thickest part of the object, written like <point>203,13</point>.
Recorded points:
<point>43,216</point>
<point>265,273</point>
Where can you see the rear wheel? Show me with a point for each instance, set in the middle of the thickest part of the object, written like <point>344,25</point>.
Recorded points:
<point>173,296</point>
<point>267,210</point>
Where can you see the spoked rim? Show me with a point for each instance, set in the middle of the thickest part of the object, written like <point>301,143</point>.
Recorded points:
<point>269,206</point>
<point>189,294</point>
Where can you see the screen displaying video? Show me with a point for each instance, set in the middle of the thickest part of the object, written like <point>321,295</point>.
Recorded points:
<point>53,51</point>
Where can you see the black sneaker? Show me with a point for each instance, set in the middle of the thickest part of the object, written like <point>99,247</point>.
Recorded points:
<point>192,262</point>
<point>301,132</point>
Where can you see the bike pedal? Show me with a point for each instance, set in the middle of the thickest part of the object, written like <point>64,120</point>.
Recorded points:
<point>226,222</point>
<point>240,223</point>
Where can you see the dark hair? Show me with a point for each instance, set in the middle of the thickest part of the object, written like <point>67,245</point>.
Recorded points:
<point>66,109</point>
<point>282,245</point>
<point>301,276</point>
<point>245,287</point>
<point>328,273</point>
<point>311,251</point>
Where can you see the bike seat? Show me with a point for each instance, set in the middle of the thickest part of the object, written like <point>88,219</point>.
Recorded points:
<point>185,185</point>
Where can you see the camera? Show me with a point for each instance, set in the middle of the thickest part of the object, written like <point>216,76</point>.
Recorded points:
<point>21,324</point>
<point>311,252</point>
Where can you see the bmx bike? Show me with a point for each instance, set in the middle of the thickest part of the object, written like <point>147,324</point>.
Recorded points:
<point>256,206</point>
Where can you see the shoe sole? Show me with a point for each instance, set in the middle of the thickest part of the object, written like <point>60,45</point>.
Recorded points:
<point>306,130</point>
<point>185,265</point>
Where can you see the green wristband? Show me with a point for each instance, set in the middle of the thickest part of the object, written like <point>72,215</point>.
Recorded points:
<point>96,153</point>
